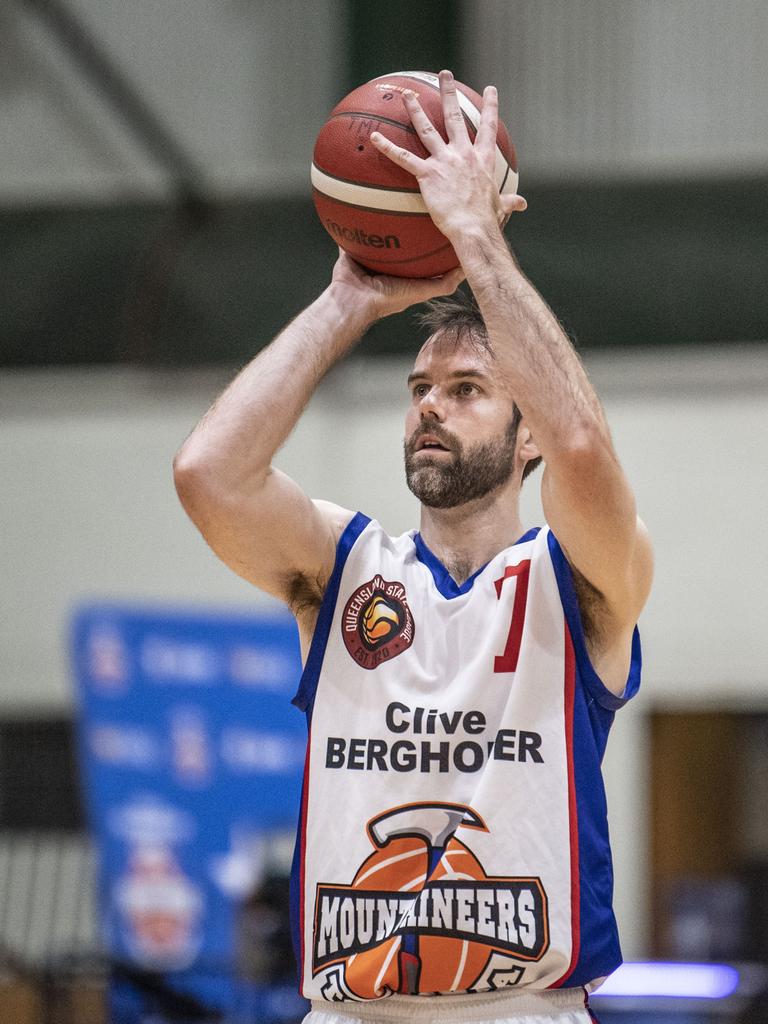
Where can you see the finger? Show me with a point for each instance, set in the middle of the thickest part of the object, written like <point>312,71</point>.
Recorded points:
<point>485,140</point>
<point>453,279</point>
<point>402,157</point>
<point>346,262</point>
<point>513,204</point>
<point>432,287</point>
<point>455,125</point>
<point>426,131</point>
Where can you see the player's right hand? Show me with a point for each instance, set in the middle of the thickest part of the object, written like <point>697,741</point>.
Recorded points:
<point>379,295</point>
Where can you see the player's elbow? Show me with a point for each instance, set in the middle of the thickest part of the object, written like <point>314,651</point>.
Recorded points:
<point>188,477</point>
<point>211,488</point>
<point>197,481</point>
<point>586,447</point>
<point>589,465</point>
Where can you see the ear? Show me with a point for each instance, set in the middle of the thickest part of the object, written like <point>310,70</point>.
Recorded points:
<point>527,448</point>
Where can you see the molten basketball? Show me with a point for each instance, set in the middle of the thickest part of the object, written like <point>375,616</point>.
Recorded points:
<point>371,207</point>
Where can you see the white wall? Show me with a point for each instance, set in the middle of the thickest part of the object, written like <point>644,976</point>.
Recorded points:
<point>88,510</point>
<point>635,87</point>
<point>244,87</point>
<point>587,87</point>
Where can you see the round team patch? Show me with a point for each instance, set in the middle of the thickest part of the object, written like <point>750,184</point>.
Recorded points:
<point>377,623</point>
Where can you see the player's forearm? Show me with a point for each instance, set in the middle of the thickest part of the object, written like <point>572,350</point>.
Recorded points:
<point>533,353</point>
<point>233,445</point>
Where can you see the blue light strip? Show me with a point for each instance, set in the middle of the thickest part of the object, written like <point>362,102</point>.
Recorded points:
<point>684,981</point>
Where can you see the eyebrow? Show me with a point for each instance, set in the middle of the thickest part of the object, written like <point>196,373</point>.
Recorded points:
<point>452,376</point>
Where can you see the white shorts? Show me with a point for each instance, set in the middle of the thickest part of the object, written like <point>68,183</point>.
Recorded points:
<point>555,1006</point>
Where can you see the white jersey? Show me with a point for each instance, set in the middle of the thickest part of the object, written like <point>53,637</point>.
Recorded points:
<point>453,834</point>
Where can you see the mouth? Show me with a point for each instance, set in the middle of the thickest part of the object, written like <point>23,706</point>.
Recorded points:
<point>429,443</point>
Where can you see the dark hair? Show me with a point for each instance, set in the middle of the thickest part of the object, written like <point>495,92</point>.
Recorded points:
<point>457,320</point>
<point>456,317</point>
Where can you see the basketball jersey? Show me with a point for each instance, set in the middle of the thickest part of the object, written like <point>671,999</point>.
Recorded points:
<point>453,834</point>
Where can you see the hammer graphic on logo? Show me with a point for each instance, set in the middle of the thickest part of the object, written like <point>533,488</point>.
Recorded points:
<point>421,915</point>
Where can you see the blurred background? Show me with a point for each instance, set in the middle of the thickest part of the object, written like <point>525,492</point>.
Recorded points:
<point>157,229</point>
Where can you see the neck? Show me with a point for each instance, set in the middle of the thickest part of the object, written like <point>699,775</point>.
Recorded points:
<point>464,538</point>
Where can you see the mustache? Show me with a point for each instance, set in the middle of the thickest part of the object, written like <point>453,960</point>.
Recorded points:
<point>445,438</point>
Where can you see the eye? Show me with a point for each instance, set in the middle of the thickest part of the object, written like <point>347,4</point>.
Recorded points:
<point>419,390</point>
<point>466,390</point>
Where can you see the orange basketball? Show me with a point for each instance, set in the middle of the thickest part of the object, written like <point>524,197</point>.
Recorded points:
<point>371,207</point>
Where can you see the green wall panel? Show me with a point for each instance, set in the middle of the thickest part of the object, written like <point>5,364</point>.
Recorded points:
<point>403,35</point>
<point>655,264</point>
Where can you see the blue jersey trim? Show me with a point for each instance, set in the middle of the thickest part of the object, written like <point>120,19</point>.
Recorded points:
<point>305,695</point>
<point>589,677</point>
<point>445,583</point>
<point>599,949</point>
<point>594,707</point>
<point>295,894</point>
<point>304,700</point>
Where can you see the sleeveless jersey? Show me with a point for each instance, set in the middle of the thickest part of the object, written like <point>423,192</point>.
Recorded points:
<point>453,834</point>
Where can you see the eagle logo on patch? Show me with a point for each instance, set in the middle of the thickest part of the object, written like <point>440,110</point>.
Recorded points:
<point>377,623</point>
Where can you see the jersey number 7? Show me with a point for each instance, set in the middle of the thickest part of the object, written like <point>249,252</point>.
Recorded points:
<point>507,662</point>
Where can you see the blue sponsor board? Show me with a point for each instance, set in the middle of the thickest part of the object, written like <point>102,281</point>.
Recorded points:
<point>192,758</point>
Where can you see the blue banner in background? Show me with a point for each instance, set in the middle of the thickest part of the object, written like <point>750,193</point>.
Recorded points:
<point>192,758</point>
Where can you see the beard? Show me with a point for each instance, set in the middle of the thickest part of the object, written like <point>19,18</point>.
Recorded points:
<point>471,472</point>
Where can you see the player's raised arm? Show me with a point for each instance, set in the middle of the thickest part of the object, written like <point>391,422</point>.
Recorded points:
<point>587,498</point>
<point>256,519</point>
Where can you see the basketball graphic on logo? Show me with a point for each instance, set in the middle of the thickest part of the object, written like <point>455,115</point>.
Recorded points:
<point>422,916</point>
<point>380,621</point>
<point>452,964</point>
<point>434,963</point>
<point>443,963</point>
<point>401,867</point>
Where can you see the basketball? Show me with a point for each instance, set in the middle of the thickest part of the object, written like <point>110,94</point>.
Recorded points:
<point>371,207</point>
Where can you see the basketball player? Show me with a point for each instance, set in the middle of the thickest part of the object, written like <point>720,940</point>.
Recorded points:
<point>452,861</point>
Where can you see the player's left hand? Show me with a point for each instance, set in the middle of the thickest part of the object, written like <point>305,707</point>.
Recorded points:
<point>457,178</point>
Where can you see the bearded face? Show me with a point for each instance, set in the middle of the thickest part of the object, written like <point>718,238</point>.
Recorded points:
<point>443,473</point>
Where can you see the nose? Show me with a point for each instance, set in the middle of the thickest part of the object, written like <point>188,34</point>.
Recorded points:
<point>431,406</point>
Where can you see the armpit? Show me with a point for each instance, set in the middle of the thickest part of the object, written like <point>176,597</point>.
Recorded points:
<point>304,594</point>
<point>593,611</point>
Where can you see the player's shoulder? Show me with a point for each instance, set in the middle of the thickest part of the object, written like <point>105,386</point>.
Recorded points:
<point>336,518</point>
<point>342,522</point>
